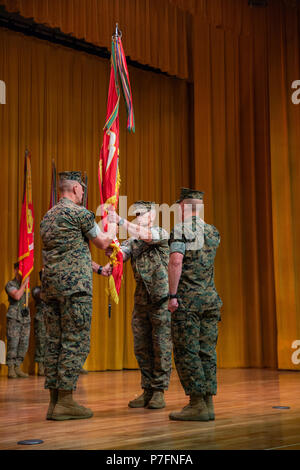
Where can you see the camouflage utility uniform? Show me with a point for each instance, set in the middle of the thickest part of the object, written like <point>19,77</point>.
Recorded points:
<point>17,326</point>
<point>151,320</point>
<point>67,291</point>
<point>195,322</point>
<point>39,325</point>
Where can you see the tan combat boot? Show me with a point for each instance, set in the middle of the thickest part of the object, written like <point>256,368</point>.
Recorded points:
<point>142,400</point>
<point>20,373</point>
<point>11,372</point>
<point>67,408</point>
<point>53,401</point>
<point>41,369</point>
<point>210,407</point>
<point>157,401</point>
<point>196,410</point>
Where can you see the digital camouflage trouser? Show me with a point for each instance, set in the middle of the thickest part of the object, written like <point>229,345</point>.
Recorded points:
<point>68,324</point>
<point>39,336</point>
<point>17,334</point>
<point>195,338</point>
<point>151,326</point>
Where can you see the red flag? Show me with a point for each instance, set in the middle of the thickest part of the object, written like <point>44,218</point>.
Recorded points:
<point>108,174</point>
<point>26,234</point>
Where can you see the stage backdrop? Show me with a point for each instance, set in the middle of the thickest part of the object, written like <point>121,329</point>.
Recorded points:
<point>56,107</point>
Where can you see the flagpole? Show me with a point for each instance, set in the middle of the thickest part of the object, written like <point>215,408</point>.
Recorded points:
<point>26,301</point>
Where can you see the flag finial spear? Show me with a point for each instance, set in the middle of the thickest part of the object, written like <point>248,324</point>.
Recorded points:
<point>118,33</point>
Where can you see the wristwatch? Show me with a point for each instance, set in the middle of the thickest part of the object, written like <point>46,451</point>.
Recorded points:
<point>172,296</point>
<point>100,270</point>
<point>121,222</point>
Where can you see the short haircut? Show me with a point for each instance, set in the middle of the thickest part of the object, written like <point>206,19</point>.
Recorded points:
<point>16,265</point>
<point>193,203</point>
<point>66,186</point>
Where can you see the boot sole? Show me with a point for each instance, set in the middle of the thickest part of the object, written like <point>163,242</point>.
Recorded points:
<point>66,417</point>
<point>137,406</point>
<point>151,407</point>
<point>173,418</point>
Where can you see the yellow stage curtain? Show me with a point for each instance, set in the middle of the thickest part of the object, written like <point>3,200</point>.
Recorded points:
<point>155,32</point>
<point>284,69</point>
<point>243,151</point>
<point>56,107</point>
<point>246,160</point>
<point>232,168</point>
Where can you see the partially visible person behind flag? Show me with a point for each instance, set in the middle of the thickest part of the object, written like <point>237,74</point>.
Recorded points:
<point>109,174</point>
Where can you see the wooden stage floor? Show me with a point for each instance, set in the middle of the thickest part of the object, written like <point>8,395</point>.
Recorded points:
<point>245,417</point>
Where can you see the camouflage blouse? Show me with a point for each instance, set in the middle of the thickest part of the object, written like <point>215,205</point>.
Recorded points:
<point>149,262</point>
<point>16,306</point>
<point>66,255</point>
<point>198,242</point>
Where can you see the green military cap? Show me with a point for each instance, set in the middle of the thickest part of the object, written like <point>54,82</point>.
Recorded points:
<point>187,193</point>
<point>72,175</point>
<point>143,206</point>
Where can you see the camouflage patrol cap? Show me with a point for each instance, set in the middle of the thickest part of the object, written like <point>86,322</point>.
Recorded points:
<point>187,193</point>
<point>73,176</point>
<point>143,206</point>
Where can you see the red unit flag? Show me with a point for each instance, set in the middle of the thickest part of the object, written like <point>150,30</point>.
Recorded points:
<point>26,233</point>
<point>108,173</point>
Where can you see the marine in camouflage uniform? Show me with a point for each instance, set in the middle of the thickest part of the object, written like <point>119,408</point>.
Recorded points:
<point>17,326</point>
<point>67,291</point>
<point>151,320</point>
<point>39,328</point>
<point>195,321</point>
